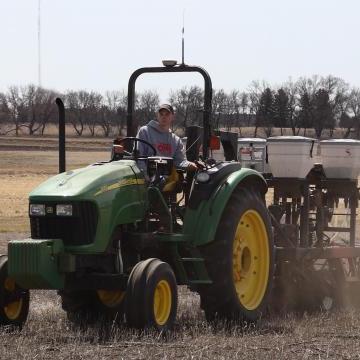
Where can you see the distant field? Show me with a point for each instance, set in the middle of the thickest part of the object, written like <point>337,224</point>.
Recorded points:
<point>52,131</point>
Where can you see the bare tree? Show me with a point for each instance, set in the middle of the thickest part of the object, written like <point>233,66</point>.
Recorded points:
<point>338,91</point>
<point>180,100</point>
<point>297,104</point>
<point>46,108</point>
<point>4,112</point>
<point>147,106</point>
<point>266,112</point>
<point>281,109</point>
<point>108,112</point>
<point>122,111</point>
<point>292,91</point>
<point>244,104</point>
<point>92,111</point>
<point>354,109</point>
<point>17,109</point>
<point>29,96</point>
<point>77,102</point>
<point>347,123</point>
<point>233,110</point>
<point>309,85</point>
<point>305,114</point>
<point>219,107</point>
<point>188,104</point>
<point>40,107</point>
<point>323,113</point>
<point>255,91</point>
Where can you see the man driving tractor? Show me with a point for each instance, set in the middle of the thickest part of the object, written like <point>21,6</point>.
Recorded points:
<point>166,143</point>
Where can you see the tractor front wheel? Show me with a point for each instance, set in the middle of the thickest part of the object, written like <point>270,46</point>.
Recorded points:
<point>151,296</point>
<point>14,301</point>
<point>239,261</point>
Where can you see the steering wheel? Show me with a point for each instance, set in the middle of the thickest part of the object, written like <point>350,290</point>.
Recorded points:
<point>135,151</point>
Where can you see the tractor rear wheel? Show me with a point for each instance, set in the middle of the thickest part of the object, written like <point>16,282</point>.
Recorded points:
<point>14,301</point>
<point>240,261</point>
<point>151,296</point>
<point>88,306</point>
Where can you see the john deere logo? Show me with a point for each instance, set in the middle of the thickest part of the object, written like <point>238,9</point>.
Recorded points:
<point>49,210</point>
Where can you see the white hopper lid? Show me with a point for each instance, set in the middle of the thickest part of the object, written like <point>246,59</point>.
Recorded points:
<point>289,139</point>
<point>251,140</point>
<point>350,142</point>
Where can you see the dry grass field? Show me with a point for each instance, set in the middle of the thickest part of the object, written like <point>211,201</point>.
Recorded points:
<point>48,335</point>
<point>26,162</point>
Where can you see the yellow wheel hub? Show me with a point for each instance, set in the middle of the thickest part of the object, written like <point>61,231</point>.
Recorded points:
<point>13,309</point>
<point>111,298</point>
<point>162,302</point>
<point>251,259</point>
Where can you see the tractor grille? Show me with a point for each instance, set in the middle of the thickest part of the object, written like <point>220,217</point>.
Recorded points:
<point>79,229</point>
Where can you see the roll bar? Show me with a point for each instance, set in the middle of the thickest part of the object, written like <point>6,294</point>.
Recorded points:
<point>131,131</point>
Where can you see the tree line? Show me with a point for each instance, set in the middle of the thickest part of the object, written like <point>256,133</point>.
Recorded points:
<point>316,103</point>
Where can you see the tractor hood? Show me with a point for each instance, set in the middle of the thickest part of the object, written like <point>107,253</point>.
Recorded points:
<point>92,180</point>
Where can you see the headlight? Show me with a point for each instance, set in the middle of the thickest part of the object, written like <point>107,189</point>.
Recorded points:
<point>64,210</point>
<point>37,209</point>
<point>202,177</point>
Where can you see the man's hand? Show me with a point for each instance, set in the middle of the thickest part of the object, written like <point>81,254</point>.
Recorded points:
<point>200,164</point>
<point>191,166</point>
<point>118,149</point>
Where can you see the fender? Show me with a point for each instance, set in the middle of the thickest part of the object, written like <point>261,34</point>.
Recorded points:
<point>201,223</point>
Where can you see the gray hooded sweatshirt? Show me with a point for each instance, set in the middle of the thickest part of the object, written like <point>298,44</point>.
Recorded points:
<point>166,143</point>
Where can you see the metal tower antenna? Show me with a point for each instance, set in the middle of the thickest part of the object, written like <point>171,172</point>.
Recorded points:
<point>39,42</point>
<point>182,41</point>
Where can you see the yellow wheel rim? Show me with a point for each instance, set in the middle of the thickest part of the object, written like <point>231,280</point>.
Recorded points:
<point>162,302</point>
<point>13,309</point>
<point>111,298</point>
<point>251,260</point>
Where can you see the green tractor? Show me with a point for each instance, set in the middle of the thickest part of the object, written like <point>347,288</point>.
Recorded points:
<point>115,242</point>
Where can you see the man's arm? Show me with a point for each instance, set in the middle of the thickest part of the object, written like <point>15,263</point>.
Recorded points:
<point>180,157</point>
<point>144,150</point>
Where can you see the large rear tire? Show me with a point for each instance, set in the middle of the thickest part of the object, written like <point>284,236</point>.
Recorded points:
<point>240,261</point>
<point>151,296</point>
<point>14,300</point>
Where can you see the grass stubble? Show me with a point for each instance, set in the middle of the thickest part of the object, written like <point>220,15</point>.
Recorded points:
<point>48,335</point>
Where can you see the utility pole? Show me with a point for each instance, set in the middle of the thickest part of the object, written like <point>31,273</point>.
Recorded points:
<point>182,40</point>
<point>39,43</point>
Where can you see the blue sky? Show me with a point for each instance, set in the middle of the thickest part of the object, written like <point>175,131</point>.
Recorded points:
<point>96,45</point>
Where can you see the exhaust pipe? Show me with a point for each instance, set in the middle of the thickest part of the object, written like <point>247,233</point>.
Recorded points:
<point>61,109</point>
